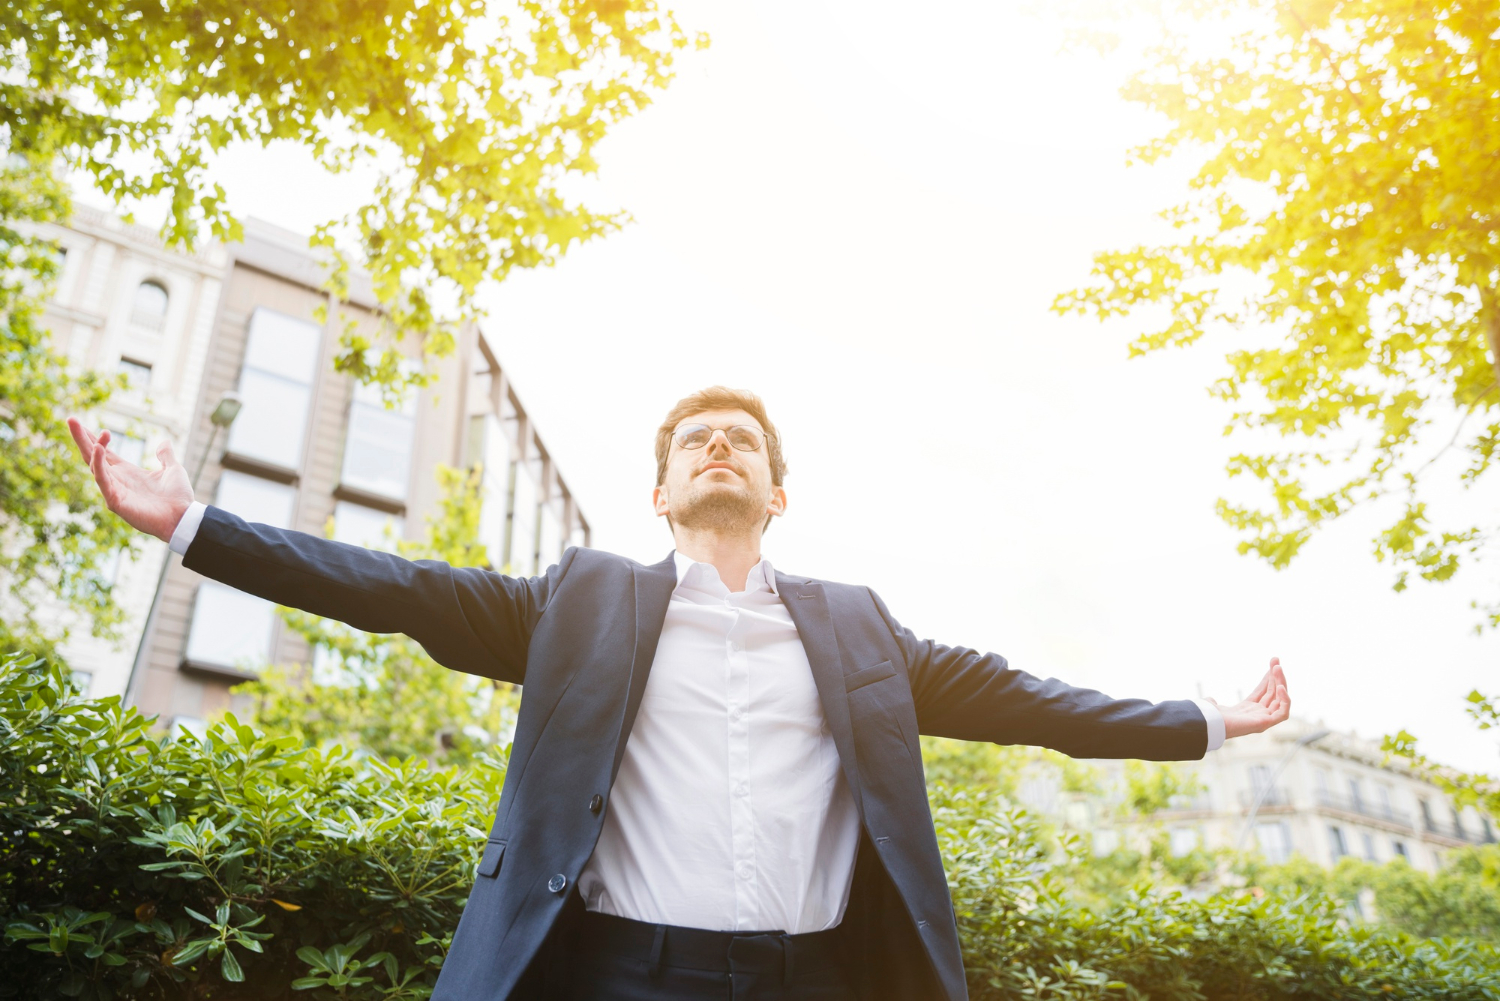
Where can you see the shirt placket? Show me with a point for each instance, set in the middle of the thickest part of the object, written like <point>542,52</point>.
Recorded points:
<point>741,807</point>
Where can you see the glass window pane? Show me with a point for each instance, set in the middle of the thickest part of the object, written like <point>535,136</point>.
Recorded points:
<point>523,527</point>
<point>492,448</point>
<point>551,539</point>
<point>137,380</point>
<point>256,499</point>
<point>282,345</point>
<point>149,311</point>
<point>230,628</point>
<point>363,526</point>
<point>377,456</point>
<point>127,446</point>
<point>272,421</point>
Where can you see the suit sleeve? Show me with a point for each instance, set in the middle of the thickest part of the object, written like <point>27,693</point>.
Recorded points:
<point>467,619</point>
<point>969,695</point>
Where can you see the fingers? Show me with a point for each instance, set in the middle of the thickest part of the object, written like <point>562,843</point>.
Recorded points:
<point>82,437</point>
<point>102,475</point>
<point>165,455</point>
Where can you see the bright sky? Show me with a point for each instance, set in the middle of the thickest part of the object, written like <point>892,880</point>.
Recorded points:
<point>863,214</point>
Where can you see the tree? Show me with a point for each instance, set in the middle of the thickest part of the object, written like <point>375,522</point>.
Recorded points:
<point>478,116</point>
<point>385,695</point>
<point>1344,231</point>
<point>55,534</point>
<point>1343,234</point>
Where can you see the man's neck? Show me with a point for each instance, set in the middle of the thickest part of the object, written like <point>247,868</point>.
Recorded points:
<point>732,556</point>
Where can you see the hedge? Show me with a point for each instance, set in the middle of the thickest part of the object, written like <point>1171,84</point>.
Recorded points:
<point>247,866</point>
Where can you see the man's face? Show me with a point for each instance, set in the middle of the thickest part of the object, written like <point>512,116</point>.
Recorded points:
<point>718,487</point>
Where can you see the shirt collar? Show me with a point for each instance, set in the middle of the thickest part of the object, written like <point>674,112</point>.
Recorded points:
<point>699,576</point>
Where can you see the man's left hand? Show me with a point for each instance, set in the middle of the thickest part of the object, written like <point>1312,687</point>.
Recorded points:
<point>1268,705</point>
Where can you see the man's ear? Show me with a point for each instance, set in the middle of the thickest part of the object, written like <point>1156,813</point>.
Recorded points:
<point>776,506</point>
<point>660,503</point>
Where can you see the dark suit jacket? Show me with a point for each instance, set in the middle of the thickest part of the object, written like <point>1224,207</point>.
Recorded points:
<point>582,637</point>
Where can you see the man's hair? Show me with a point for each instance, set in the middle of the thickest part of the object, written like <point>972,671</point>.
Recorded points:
<point>719,398</point>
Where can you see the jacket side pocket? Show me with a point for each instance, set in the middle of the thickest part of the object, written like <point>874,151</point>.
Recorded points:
<point>494,852</point>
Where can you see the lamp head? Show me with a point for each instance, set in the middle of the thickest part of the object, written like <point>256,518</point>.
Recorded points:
<point>227,410</point>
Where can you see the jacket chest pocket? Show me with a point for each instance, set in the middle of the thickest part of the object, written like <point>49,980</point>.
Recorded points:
<point>489,863</point>
<point>878,705</point>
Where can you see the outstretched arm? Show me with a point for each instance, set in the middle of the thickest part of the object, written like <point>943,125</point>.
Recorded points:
<point>970,695</point>
<point>468,619</point>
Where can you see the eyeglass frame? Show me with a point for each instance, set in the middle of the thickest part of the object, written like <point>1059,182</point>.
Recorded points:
<point>765,437</point>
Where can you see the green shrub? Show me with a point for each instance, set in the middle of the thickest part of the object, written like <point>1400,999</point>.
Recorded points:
<point>1026,936</point>
<point>236,867</point>
<point>244,866</point>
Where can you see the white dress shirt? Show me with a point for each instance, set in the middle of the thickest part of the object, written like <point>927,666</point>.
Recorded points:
<point>730,810</point>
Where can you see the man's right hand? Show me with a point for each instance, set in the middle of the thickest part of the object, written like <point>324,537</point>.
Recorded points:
<point>151,502</point>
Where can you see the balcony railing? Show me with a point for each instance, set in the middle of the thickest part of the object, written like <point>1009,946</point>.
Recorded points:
<point>1473,835</point>
<point>1274,798</point>
<point>1362,807</point>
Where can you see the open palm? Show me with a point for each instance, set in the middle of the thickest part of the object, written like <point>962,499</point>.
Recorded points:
<point>150,501</point>
<point>1268,705</point>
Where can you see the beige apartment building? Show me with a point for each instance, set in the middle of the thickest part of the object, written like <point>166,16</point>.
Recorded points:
<point>125,305</point>
<point>308,450</point>
<point>1298,789</point>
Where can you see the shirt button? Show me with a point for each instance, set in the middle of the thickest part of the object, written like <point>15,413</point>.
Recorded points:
<point>596,803</point>
<point>558,883</point>
<point>744,870</point>
<point>736,646</point>
<point>737,713</point>
<point>743,789</point>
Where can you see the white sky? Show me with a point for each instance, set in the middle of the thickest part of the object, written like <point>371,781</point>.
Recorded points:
<point>863,214</point>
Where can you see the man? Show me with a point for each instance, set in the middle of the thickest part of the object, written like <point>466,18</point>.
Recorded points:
<point>715,787</point>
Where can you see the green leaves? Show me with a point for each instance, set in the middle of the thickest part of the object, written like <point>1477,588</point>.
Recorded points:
<point>1341,236</point>
<point>128,861</point>
<point>479,121</point>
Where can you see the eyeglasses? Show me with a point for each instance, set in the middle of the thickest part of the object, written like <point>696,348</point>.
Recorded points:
<point>744,437</point>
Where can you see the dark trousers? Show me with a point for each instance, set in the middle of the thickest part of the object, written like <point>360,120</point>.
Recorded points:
<point>596,957</point>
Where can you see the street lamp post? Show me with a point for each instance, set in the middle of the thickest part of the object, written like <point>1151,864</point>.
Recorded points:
<point>224,414</point>
<point>1270,783</point>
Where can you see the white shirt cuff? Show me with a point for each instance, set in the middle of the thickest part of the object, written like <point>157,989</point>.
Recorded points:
<point>1213,717</point>
<point>187,529</point>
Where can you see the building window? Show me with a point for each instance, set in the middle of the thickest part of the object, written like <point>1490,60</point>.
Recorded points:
<point>149,310</point>
<point>364,526</point>
<point>549,538</point>
<point>1368,840</point>
<point>489,446</point>
<point>1399,847</point>
<point>281,355</point>
<point>1356,800</point>
<point>523,527</point>
<point>1183,840</point>
<point>231,628</point>
<point>377,452</point>
<point>1275,841</point>
<point>1336,844</point>
<point>137,380</point>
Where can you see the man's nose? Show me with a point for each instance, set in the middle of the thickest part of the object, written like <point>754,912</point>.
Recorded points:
<point>718,442</point>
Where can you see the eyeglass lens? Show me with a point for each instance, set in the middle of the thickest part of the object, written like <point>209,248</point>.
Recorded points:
<point>741,436</point>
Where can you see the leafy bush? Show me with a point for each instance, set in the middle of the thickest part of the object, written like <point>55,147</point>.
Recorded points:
<point>137,867</point>
<point>247,866</point>
<point>1025,936</point>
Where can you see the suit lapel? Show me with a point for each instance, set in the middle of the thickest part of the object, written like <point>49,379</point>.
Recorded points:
<point>653,592</point>
<point>808,606</point>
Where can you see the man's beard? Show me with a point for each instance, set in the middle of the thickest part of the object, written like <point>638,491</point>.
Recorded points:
<point>719,510</point>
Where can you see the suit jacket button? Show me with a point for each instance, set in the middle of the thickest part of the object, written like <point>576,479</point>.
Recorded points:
<point>558,883</point>
<point>596,804</point>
